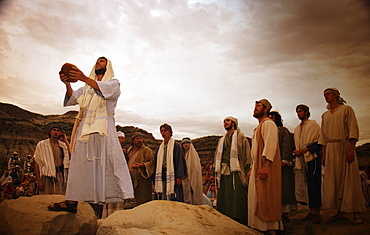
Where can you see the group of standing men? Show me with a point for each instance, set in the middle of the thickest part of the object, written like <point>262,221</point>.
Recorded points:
<point>262,197</point>
<point>98,171</point>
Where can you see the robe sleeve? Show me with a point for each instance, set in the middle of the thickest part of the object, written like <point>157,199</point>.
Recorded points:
<point>285,144</point>
<point>314,147</point>
<point>270,138</point>
<point>322,140</point>
<point>147,171</point>
<point>73,99</point>
<point>179,162</point>
<point>351,122</point>
<point>109,90</point>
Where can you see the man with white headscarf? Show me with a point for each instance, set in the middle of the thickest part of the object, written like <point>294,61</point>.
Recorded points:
<point>264,191</point>
<point>98,170</point>
<point>341,184</point>
<point>193,185</point>
<point>232,158</point>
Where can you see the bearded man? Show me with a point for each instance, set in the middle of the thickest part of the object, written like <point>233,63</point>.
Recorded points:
<point>141,168</point>
<point>232,159</point>
<point>264,191</point>
<point>98,171</point>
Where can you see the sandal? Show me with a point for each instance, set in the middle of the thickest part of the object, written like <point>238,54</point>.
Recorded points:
<point>129,203</point>
<point>357,221</point>
<point>336,218</point>
<point>64,206</point>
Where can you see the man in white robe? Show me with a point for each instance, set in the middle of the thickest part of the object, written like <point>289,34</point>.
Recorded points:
<point>341,185</point>
<point>98,172</point>
<point>306,135</point>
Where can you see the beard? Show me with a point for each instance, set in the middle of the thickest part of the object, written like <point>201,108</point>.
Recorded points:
<point>259,114</point>
<point>228,128</point>
<point>100,71</point>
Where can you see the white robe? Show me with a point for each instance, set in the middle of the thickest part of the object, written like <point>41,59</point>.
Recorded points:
<point>341,185</point>
<point>308,134</point>
<point>102,176</point>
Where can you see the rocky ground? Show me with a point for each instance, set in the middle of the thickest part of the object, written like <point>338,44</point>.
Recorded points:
<point>296,226</point>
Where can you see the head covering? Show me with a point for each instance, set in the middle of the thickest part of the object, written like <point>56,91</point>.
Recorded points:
<point>235,120</point>
<point>94,106</point>
<point>120,134</point>
<point>265,102</point>
<point>185,140</point>
<point>302,107</point>
<point>15,153</point>
<point>332,89</point>
<point>339,98</point>
<point>136,134</point>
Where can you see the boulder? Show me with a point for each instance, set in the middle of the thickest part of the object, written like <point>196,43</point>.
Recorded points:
<point>167,217</point>
<point>29,215</point>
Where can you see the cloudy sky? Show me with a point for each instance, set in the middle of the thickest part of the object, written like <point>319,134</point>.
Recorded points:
<point>191,63</point>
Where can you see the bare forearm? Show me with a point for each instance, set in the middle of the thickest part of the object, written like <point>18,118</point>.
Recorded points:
<point>69,90</point>
<point>91,82</point>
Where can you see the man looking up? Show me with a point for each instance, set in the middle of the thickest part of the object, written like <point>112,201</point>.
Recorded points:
<point>264,192</point>
<point>339,134</point>
<point>98,172</point>
<point>170,167</point>
<point>231,159</point>
<point>52,162</point>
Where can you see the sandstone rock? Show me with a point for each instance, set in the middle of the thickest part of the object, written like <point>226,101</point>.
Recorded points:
<point>29,215</point>
<point>166,217</point>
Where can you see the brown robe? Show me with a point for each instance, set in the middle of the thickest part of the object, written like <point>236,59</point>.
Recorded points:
<point>269,199</point>
<point>141,178</point>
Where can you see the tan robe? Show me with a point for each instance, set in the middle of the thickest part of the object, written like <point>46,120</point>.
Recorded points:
<point>141,180</point>
<point>264,197</point>
<point>193,184</point>
<point>341,185</point>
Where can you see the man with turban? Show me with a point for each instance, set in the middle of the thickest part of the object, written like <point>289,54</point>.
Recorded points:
<point>264,191</point>
<point>308,162</point>
<point>232,159</point>
<point>140,163</point>
<point>339,133</point>
<point>98,171</point>
<point>193,185</point>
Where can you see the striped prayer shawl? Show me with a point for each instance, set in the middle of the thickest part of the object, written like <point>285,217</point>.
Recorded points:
<point>45,159</point>
<point>170,174</point>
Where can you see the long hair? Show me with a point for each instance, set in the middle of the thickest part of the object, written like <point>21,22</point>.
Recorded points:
<point>277,116</point>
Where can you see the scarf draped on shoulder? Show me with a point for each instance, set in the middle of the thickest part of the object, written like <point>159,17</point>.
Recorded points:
<point>170,174</point>
<point>93,108</point>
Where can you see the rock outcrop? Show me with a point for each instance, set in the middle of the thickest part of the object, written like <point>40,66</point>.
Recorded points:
<point>166,217</point>
<point>29,215</point>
